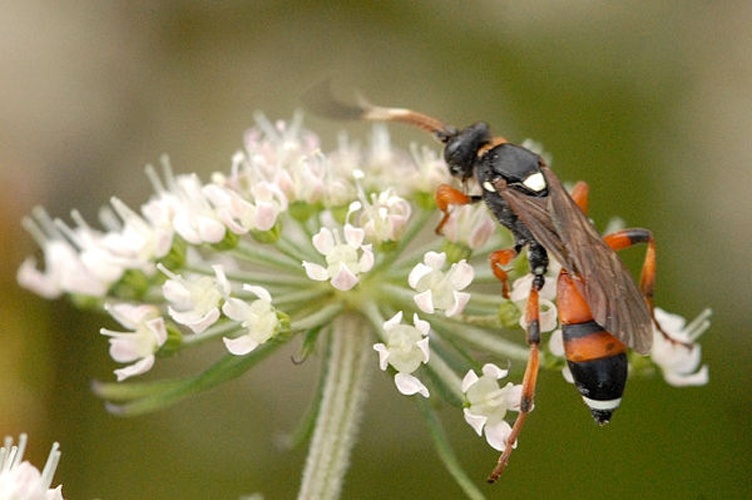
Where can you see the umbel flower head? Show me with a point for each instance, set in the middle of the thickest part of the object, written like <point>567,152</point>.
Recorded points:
<point>334,252</point>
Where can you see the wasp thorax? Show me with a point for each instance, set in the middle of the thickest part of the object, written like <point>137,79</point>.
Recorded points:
<point>519,167</point>
<point>461,149</point>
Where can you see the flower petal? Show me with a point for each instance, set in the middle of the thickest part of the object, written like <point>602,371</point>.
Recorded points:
<point>240,346</point>
<point>408,385</point>
<point>497,435</point>
<point>475,421</point>
<point>315,271</point>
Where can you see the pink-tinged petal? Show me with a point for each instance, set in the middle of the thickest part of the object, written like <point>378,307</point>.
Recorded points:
<point>354,235</point>
<point>469,380</point>
<point>408,385</point>
<point>417,273</point>
<point>240,346</point>
<point>475,421</point>
<point>183,224</point>
<point>497,435</point>
<point>197,323</point>
<point>266,216</point>
<point>223,284</point>
<point>424,301</point>
<point>435,260</point>
<point>460,301</point>
<point>210,230</point>
<point>323,241</point>
<point>461,275</point>
<point>344,279</point>
<point>383,355</point>
<point>177,293</point>
<point>366,260</point>
<point>481,233</point>
<point>46,285</point>
<point>513,396</point>
<point>315,271</point>
<point>423,346</point>
<point>124,347</point>
<point>130,315</point>
<point>137,368</point>
<point>158,328</point>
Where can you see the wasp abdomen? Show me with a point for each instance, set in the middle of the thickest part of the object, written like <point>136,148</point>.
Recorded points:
<point>597,359</point>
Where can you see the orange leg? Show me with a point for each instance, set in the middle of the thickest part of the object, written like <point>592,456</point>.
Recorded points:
<point>447,195</point>
<point>532,316</point>
<point>625,239</point>
<point>498,259</point>
<point>580,194</point>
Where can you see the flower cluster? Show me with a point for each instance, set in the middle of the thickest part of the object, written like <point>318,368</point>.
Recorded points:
<point>19,479</point>
<point>289,241</point>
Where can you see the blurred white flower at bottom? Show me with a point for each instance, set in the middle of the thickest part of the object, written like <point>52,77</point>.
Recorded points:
<point>19,480</point>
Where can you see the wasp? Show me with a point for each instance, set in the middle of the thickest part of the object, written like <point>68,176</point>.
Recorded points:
<point>603,312</point>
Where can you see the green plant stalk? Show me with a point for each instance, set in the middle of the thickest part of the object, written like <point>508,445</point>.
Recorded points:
<point>337,423</point>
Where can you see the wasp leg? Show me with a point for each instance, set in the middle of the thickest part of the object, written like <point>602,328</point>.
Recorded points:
<point>625,239</point>
<point>445,196</point>
<point>579,194</point>
<point>532,316</point>
<point>501,258</point>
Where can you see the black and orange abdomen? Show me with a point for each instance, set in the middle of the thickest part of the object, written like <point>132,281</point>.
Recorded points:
<point>597,359</point>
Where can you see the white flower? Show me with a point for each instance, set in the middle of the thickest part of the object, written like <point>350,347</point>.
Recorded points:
<point>258,317</point>
<point>439,290</point>
<point>487,404</point>
<point>194,302</point>
<point>471,225</point>
<point>137,346</point>
<point>345,261</point>
<point>384,217</point>
<point>19,480</point>
<point>138,242</point>
<point>406,349</point>
<point>74,261</point>
<point>679,357</point>
<point>194,219</point>
<point>548,317</point>
<point>241,214</point>
<point>63,273</point>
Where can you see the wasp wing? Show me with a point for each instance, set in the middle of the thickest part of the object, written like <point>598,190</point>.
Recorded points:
<point>558,224</point>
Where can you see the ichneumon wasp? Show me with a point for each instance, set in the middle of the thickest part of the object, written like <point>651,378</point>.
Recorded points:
<point>601,309</point>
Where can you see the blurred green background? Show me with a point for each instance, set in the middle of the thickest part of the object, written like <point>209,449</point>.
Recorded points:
<point>650,102</point>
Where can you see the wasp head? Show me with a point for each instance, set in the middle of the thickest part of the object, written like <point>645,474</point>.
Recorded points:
<point>461,150</point>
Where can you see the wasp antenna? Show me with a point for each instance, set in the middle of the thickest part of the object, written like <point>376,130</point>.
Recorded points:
<point>321,101</point>
<point>401,115</point>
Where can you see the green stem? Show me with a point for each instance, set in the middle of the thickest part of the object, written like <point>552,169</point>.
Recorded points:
<point>345,389</point>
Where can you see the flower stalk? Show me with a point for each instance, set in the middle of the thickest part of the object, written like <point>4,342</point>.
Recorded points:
<point>346,383</point>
